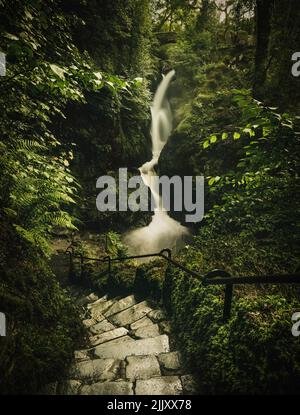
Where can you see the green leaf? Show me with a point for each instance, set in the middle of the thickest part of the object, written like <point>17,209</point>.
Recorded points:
<point>236,136</point>
<point>206,144</point>
<point>213,138</point>
<point>11,36</point>
<point>224,136</point>
<point>138,81</point>
<point>57,70</point>
<point>98,75</point>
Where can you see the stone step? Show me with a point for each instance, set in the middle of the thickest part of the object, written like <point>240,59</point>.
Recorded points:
<point>96,315</point>
<point>170,363</point>
<point>97,369</point>
<point>164,385</point>
<point>142,322</point>
<point>101,327</point>
<point>88,322</point>
<point>157,315</point>
<point>147,331</point>
<point>130,315</point>
<point>121,305</point>
<point>80,355</point>
<point>101,307</point>
<point>128,354</point>
<point>108,388</point>
<point>108,336</point>
<point>83,301</point>
<point>99,301</point>
<point>153,345</point>
<point>142,367</point>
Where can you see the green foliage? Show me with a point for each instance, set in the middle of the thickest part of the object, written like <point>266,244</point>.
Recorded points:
<point>254,196</point>
<point>47,75</point>
<point>254,352</point>
<point>44,326</point>
<point>149,279</point>
<point>115,247</point>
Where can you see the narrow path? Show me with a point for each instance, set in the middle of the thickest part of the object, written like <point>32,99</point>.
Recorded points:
<point>129,352</point>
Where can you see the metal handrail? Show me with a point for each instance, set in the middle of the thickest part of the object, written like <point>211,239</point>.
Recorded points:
<point>215,277</point>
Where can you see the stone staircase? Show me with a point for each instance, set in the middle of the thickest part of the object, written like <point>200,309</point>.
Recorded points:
<point>129,352</point>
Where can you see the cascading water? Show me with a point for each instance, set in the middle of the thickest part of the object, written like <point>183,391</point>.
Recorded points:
<point>163,231</point>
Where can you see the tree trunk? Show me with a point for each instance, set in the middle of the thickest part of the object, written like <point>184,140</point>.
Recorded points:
<point>263,13</point>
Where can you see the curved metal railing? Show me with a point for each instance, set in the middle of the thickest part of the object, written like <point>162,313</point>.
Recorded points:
<point>215,277</point>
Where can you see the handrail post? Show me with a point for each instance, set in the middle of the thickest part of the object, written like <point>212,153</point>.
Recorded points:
<point>228,290</point>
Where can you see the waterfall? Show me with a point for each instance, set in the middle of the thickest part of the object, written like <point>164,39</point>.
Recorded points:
<point>163,231</point>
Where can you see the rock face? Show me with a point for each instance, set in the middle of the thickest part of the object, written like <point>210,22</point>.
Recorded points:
<point>128,352</point>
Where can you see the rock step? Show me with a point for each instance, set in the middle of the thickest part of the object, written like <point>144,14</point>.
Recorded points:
<point>128,352</point>
<point>149,346</point>
<point>131,314</point>
<point>108,388</point>
<point>164,385</point>
<point>108,336</point>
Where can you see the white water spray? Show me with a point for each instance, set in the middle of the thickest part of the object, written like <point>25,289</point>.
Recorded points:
<point>163,231</point>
